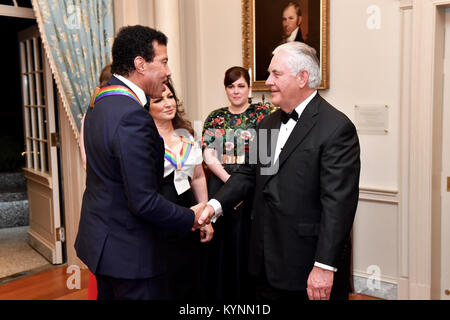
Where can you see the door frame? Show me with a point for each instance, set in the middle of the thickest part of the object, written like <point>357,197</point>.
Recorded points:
<point>28,13</point>
<point>46,233</point>
<point>441,195</point>
<point>420,238</point>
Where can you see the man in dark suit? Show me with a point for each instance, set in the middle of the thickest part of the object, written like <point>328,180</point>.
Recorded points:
<point>123,217</point>
<point>306,188</point>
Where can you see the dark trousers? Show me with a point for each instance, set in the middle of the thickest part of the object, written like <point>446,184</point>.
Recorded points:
<point>110,288</point>
<point>264,291</point>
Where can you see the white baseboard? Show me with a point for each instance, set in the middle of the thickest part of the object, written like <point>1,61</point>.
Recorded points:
<point>380,289</point>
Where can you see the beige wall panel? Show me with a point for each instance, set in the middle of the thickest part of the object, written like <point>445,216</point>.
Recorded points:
<point>217,33</point>
<point>375,240</point>
<point>364,69</point>
<point>132,12</point>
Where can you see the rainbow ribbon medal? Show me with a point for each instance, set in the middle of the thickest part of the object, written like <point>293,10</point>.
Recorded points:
<point>178,161</point>
<point>116,90</point>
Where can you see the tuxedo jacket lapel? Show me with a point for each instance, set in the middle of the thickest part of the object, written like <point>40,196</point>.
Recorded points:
<point>304,124</point>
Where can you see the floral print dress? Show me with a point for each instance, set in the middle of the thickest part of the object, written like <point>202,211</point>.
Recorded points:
<point>232,133</point>
<point>226,255</point>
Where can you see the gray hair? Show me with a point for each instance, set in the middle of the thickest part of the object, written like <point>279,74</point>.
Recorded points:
<point>302,57</point>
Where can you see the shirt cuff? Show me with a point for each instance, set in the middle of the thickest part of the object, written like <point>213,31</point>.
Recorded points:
<point>324,266</point>
<point>217,209</point>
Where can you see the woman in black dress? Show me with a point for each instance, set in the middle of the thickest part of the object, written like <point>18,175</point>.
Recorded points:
<point>226,137</point>
<point>184,183</point>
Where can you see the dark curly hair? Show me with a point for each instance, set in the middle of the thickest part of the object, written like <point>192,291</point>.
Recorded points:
<point>131,42</point>
<point>179,122</point>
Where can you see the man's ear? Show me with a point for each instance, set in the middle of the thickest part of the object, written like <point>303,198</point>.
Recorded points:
<point>139,64</point>
<point>300,19</point>
<point>302,78</point>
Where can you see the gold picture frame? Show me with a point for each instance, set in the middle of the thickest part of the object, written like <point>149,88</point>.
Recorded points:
<point>257,53</point>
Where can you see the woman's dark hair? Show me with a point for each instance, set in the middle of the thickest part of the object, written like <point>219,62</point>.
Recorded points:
<point>132,42</point>
<point>105,75</point>
<point>179,122</point>
<point>235,73</point>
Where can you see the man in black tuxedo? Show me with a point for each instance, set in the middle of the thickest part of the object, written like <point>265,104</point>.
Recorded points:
<point>306,188</point>
<point>123,217</point>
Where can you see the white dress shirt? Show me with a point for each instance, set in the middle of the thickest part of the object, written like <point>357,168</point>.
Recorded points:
<point>292,36</point>
<point>138,91</point>
<point>181,176</point>
<point>283,136</point>
<point>286,128</point>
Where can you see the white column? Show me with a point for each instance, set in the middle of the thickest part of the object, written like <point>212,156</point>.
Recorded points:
<point>167,20</point>
<point>132,12</point>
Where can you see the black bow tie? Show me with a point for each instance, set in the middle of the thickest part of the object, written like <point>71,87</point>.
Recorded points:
<point>286,116</point>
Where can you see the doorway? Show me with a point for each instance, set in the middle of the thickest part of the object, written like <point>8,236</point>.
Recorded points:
<point>445,173</point>
<point>23,213</point>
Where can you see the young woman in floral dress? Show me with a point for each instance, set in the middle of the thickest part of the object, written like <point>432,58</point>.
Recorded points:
<point>227,134</point>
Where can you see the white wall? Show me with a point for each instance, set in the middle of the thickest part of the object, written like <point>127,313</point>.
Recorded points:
<point>364,69</point>
<point>211,32</point>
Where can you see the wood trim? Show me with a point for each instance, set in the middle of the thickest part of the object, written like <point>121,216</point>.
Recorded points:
<point>383,278</point>
<point>38,177</point>
<point>406,36</point>
<point>437,147</point>
<point>420,153</point>
<point>41,245</point>
<point>73,184</point>
<point>16,12</point>
<point>421,218</point>
<point>405,4</point>
<point>378,195</point>
<point>31,32</point>
<point>441,3</point>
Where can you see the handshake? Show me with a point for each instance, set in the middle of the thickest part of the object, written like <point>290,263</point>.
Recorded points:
<point>203,214</point>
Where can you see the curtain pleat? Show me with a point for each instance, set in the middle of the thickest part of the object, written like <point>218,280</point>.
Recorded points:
<point>77,37</point>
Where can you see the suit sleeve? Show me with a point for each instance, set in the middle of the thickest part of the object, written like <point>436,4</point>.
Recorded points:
<point>241,183</point>
<point>339,180</point>
<point>237,188</point>
<point>134,146</point>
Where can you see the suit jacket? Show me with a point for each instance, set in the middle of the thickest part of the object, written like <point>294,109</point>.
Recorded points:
<point>123,217</point>
<point>305,203</point>
<point>299,36</point>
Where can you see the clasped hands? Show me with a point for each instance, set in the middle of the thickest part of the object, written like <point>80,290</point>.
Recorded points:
<point>203,214</point>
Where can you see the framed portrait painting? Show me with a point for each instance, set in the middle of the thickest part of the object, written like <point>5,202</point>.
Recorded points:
<point>268,23</point>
